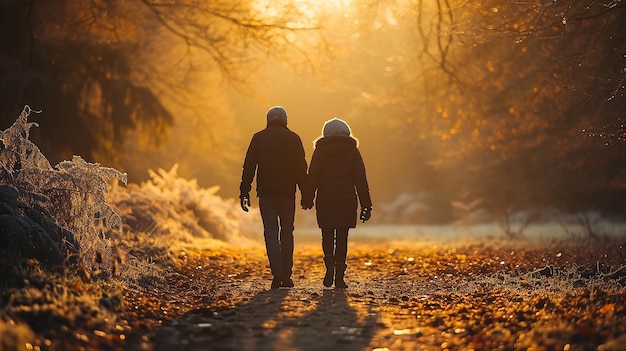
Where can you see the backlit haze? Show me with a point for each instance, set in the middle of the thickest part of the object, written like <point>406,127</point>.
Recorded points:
<point>313,89</point>
<point>124,126</point>
<point>409,83</point>
<point>465,112</point>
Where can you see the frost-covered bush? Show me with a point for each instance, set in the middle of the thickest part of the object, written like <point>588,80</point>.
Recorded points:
<point>554,280</point>
<point>56,213</point>
<point>181,213</point>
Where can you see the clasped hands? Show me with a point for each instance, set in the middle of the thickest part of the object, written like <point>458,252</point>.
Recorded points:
<point>306,205</point>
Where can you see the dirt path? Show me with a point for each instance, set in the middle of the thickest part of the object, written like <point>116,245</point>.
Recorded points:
<point>402,297</point>
<point>249,316</point>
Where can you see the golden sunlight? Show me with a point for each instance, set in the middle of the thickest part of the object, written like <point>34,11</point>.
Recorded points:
<point>309,9</point>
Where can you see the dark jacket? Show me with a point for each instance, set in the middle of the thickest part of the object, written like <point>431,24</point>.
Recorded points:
<point>276,156</point>
<point>336,177</point>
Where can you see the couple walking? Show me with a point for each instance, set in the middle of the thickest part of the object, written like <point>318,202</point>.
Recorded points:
<point>335,179</point>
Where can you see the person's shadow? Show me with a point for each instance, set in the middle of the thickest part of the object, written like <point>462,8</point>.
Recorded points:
<point>250,326</point>
<point>335,325</point>
<point>271,321</point>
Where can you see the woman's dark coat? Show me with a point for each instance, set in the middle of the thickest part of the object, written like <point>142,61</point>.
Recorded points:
<point>336,177</point>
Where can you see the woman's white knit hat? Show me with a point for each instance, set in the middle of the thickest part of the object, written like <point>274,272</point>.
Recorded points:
<point>335,127</point>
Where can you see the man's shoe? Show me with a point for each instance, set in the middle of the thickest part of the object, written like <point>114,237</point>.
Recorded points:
<point>276,283</point>
<point>287,283</point>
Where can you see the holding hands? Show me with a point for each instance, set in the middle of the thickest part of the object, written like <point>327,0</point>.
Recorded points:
<point>306,205</point>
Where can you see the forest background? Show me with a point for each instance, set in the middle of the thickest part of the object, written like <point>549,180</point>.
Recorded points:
<point>464,109</point>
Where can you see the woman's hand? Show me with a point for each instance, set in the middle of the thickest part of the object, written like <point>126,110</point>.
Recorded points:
<point>366,213</point>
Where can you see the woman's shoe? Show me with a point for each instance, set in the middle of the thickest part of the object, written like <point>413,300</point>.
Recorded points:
<point>340,269</point>
<point>328,278</point>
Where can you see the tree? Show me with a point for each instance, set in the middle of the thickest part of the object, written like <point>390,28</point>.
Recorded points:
<point>523,101</point>
<point>96,67</point>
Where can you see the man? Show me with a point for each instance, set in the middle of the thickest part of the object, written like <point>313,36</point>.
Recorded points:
<point>276,156</point>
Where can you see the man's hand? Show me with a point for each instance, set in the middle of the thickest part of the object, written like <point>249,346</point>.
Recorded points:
<point>366,213</point>
<point>245,202</point>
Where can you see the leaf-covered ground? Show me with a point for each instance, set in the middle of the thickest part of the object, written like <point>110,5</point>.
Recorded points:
<point>402,296</point>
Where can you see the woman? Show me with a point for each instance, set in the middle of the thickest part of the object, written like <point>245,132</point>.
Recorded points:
<point>336,178</point>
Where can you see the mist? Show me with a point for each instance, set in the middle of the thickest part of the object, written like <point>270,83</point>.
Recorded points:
<point>492,134</point>
<point>209,145</point>
<point>463,113</point>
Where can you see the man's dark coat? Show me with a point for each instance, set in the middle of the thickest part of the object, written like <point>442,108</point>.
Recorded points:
<point>277,157</point>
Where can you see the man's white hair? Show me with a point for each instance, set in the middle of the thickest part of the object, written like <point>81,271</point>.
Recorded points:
<point>277,114</point>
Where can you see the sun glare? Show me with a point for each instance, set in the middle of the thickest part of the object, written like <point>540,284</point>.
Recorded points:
<point>322,6</point>
<point>339,4</point>
<point>309,9</point>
